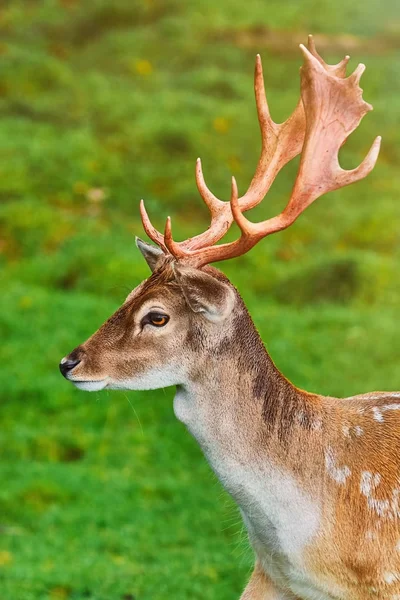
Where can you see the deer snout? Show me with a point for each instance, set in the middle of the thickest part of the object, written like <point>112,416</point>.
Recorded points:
<point>68,363</point>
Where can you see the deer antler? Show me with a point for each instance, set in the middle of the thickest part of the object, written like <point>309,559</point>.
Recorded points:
<point>333,108</point>
<point>280,143</point>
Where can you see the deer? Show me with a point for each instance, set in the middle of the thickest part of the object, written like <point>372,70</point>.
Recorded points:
<point>316,478</point>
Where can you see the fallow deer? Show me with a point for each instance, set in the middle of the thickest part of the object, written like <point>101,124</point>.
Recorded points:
<point>317,478</point>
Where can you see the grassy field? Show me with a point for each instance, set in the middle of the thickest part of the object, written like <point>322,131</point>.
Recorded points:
<point>106,496</point>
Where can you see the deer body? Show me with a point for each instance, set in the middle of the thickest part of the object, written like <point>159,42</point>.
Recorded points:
<point>317,479</point>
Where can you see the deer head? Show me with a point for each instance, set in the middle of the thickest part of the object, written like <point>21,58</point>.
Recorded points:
<point>146,344</point>
<point>187,311</point>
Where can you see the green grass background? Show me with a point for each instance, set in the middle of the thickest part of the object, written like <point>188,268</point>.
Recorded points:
<point>105,496</point>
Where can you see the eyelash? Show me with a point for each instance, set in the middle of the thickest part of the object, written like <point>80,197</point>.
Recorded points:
<point>151,317</point>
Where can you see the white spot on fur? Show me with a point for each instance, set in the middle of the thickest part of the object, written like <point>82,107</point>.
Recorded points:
<point>301,417</point>
<point>378,411</point>
<point>398,546</point>
<point>339,474</point>
<point>386,508</point>
<point>394,406</point>
<point>378,416</point>
<point>316,424</point>
<point>381,507</point>
<point>370,535</point>
<point>372,589</point>
<point>349,431</point>
<point>390,577</point>
<point>369,482</point>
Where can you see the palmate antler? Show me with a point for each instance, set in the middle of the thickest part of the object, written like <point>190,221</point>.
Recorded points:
<point>330,109</point>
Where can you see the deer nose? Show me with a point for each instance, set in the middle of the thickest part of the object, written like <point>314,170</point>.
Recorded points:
<point>67,364</point>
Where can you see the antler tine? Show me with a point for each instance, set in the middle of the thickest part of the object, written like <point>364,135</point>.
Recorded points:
<point>365,168</point>
<point>212,202</point>
<point>339,70</point>
<point>334,108</point>
<point>175,248</point>
<point>221,215</point>
<point>151,231</point>
<point>172,246</point>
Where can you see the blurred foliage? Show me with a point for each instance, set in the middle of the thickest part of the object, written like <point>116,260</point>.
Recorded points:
<point>107,497</point>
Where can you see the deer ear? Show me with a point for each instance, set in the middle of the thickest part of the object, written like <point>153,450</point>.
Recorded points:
<point>204,293</point>
<point>152,254</point>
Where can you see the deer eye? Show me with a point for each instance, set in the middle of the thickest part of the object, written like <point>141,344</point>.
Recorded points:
<point>156,319</point>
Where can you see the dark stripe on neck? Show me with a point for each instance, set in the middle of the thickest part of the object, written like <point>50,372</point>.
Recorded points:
<point>284,407</point>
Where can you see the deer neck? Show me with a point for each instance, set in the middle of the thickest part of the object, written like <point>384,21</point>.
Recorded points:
<point>255,429</point>
<point>238,405</point>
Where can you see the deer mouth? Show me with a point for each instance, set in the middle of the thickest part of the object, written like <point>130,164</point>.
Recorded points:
<point>90,385</point>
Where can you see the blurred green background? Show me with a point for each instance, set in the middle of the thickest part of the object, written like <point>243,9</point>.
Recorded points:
<point>105,496</point>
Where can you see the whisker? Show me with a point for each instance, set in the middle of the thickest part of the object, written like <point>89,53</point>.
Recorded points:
<point>137,416</point>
